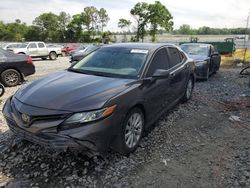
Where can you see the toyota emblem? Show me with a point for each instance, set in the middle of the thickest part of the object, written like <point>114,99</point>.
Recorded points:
<point>25,118</point>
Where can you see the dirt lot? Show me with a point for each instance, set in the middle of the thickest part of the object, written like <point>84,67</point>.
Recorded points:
<point>202,143</point>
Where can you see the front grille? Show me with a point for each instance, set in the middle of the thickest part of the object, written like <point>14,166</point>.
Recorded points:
<point>18,114</point>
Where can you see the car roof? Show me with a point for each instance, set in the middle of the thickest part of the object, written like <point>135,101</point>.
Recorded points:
<point>147,46</point>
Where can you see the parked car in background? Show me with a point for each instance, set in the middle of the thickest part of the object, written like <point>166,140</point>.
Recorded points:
<point>7,46</point>
<point>36,50</point>
<point>79,55</point>
<point>106,101</point>
<point>13,67</point>
<point>69,47</point>
<point>81,48</point>
<point>2,90</point>
<point>55,48</point>
<point>207,59</point>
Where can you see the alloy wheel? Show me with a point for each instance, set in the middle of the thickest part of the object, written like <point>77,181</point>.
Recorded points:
<point>133,130</point>
<point>189,89</point>
<point>11,78</point>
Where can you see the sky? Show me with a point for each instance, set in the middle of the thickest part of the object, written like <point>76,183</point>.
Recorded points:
<point>196,13</point>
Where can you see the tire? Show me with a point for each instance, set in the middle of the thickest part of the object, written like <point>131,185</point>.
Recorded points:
<point>2,90</point>
<point>189,90</point>
<point>207,75</point>
<point>52,55</point>
<point>131,133</point>
<point>11,77</point>
<point>44,58</point>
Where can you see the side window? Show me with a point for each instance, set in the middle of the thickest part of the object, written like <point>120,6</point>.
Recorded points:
<point>41,45</point>
<point>160,61</point>
<point>174,57</point>
<point>32,45</point>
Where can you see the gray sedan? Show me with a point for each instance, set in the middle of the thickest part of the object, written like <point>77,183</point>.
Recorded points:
<point>105,101</point>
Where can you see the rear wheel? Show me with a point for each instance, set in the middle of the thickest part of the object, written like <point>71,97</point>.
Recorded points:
<point>11,77</point>
<point>52,55</point>
<point>132,131</point>
<point>189,90</point>
<point>44,58</point>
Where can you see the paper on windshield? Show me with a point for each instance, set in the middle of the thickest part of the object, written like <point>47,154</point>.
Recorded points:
<point>139,51</point>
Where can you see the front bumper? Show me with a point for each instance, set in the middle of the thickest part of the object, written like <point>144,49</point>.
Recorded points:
<point>96,136</point>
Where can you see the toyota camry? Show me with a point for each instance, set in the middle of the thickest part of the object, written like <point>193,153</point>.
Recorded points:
<point>105,101</point>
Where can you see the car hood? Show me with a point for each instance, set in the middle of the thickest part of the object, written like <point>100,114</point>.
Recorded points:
<point>198,57</point>
<point>71,91</point>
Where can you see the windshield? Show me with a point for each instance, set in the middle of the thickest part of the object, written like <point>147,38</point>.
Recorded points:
<point>113,61</point>
<point>23,45</point>
<point>196,49</point>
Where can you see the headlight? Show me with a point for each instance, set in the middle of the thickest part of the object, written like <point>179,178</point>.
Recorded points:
<point>85,117</point>
<point>200,63</point>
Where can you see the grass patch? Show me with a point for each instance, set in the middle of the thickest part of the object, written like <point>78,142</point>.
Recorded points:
<point>235,58</point>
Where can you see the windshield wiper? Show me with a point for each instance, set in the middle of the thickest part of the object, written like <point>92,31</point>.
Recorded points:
<point>88,72</point>
<point>77,70</point>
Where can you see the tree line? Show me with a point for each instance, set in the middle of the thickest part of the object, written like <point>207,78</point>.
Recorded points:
<point>88,26</point>
<point>63,27</point>
<point>186,29</point>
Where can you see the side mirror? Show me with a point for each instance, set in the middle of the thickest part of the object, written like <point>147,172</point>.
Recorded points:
<point>215,53</point>
<point>161,73</point>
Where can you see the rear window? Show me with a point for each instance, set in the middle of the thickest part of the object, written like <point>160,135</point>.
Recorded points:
<point>196,49</point>
<point>32,45</point>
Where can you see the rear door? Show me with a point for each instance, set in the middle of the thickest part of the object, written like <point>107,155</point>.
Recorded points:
<point>42,50</point>
<point>32,49</point>
<point>178,71</point>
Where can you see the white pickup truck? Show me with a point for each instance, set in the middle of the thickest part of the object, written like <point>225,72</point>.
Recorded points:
<point>37,50</point>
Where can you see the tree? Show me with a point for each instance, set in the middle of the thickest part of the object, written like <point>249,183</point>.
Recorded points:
<point>90,19</point>
<point>48,24</point>
<point>185,29</point>
<point>123,23</point>
<point>159,16</point>
<point>103,18</point>
<point>140,13</point>
<point>74,28</point>
<point>63,21</point>
<point>33,34</point>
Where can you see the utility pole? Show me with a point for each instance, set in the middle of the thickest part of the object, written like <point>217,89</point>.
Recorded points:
<point>245,38</point>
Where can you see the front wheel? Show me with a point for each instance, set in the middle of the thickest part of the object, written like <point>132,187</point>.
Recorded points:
<point>189,90</point>
<point>52,55</point>
<point>132,131</point>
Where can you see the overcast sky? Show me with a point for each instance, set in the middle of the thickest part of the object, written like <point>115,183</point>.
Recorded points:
<point>197,13</point>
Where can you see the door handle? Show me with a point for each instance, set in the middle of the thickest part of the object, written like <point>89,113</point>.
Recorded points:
<point>172,74</point>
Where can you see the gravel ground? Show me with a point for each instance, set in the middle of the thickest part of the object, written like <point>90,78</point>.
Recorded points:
<point>202,143</point>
